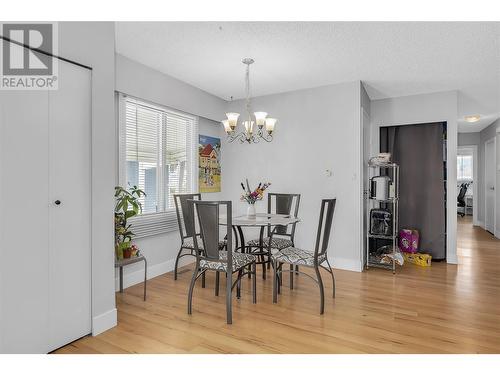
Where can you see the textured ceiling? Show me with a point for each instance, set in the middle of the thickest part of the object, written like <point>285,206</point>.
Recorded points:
<point>392,59</point>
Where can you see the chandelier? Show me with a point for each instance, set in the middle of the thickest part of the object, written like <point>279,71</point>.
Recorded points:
<point>249,135</point>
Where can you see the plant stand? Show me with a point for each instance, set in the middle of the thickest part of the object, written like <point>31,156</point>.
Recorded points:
<point>128,261</point>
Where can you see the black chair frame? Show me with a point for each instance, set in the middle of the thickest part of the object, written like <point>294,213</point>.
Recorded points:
<point>208,214</point>
<point>321,247</point>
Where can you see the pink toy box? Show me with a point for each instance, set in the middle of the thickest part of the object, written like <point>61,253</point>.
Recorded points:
<point>408,240</point>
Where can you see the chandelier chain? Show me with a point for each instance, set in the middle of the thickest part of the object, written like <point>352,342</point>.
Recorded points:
<point>247,91</point>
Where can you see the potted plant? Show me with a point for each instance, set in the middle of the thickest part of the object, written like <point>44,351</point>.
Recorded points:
<point>127,206</point>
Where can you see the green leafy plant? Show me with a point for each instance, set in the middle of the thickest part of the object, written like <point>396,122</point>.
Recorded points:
<point>127,206</point>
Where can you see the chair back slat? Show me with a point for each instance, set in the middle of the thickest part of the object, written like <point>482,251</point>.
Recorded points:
<point>208,213</point>
<point>185,213</point>
<point>283,204</point>
<point>324,226</point>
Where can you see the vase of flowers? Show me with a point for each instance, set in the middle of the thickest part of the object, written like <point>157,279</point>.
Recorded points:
<point>252,196</point>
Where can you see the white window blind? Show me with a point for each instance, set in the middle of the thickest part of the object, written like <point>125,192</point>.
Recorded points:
<point>464,167</point>
<point>158,154</point>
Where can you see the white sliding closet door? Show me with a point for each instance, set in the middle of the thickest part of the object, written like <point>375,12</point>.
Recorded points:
<point>45,248</point>
<point>24,228</point>
<point>69,222</point>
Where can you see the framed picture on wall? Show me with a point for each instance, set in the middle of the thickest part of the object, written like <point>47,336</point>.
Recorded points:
<point>209,170</point>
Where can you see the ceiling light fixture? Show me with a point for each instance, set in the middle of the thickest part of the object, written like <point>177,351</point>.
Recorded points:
<point>472,118</point>
<point>259,118</point>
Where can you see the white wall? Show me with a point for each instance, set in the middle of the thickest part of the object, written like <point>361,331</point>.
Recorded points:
<point>317,129</point>
<point>138,80</point>
<point>93,44</point>
<point>426,108</point>
<point>486,134</point>
<point>468,139</point>
<point>143,82</point>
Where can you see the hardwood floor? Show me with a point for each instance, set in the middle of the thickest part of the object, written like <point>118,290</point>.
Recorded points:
<point>441,309</point>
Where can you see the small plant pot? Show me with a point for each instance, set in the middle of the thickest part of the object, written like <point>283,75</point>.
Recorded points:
<point>127,253</point>
<point>120,249</point>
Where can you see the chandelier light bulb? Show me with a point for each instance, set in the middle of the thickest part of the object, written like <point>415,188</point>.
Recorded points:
<point>260,118</point>
<point>270,123</point>
<point>227,128</point>
<point>248,126</point>
<point>232,117</point>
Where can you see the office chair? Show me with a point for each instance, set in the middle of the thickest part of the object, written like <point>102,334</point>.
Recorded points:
<point>461,199</point>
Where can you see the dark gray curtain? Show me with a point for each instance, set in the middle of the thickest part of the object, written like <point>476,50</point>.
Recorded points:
<point>418,149</point>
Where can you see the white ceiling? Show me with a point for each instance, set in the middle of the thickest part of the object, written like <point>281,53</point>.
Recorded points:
<point>392,59</point>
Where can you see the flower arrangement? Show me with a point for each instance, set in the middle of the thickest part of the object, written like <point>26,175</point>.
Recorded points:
<point>250,196</point>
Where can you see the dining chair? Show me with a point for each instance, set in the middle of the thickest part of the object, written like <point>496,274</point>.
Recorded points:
<point>281,236</point>
<point>313,259</point>
<point>185,214</point>
<point>213,258</point>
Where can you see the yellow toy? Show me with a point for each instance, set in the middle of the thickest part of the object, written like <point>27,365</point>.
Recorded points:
<point>423,260</point>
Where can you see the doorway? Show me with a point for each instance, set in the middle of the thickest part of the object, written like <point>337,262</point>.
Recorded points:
<point>467,177</point>
<point>489,185</point>
<point>420,152</point>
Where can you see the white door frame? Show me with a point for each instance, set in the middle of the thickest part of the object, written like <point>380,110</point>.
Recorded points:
<point>494,141</point>
<point>364,169</point>
<point>475,183</point>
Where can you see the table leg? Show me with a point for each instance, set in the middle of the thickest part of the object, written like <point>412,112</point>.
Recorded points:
<point>261,248</point>
<point>243,245</point>
<point>242,239</point>
<point>121,279</point>
<point>236,242</point>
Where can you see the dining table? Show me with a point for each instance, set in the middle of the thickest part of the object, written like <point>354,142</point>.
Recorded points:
<point>261,221</point>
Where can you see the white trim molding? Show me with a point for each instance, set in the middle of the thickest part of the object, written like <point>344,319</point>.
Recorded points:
<point>346,264</point>
<point>494,224</point>
<point>105,321</point>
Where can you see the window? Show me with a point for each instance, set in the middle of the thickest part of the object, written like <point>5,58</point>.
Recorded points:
<point>464,167</point>
<point>157,153</point>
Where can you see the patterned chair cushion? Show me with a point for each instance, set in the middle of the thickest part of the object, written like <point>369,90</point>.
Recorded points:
<point>239,261</point>
<point>292,255</point>
<point>276,243</point>
<point>189,244</point>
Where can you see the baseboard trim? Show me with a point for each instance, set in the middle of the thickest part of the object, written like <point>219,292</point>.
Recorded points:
<point>452,259</point>
<point>346,264</point>
<point>137,276</point>
<point>103,322</point>
<point>480,224</point>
